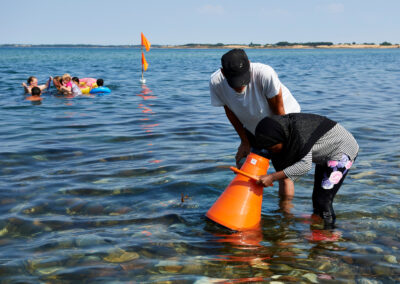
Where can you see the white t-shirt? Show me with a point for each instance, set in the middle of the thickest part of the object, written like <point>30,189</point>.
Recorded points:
<point>251,106</point>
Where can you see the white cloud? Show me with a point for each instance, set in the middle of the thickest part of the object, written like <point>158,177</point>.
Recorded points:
<point>212,10</point>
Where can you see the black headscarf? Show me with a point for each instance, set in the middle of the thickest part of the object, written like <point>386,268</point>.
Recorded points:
<point>298,132</point>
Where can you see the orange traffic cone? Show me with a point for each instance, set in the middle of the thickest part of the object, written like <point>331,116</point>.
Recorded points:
<point>239,206</point>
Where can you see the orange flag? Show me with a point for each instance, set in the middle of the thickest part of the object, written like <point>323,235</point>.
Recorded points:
<point>145,42</point>
<point>144,62</point>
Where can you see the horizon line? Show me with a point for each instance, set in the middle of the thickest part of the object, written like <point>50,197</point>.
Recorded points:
<point>280,43</point>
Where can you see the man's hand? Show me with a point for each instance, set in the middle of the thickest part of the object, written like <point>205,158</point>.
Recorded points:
<point>243,151</point>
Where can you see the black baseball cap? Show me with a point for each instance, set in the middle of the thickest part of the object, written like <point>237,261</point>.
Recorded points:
<point>236,68</point>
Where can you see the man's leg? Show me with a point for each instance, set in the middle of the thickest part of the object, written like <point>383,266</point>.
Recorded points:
<point>286,188</point>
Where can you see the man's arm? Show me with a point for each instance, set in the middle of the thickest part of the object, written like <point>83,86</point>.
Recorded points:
<point>276,103</point>
<point>244,148</point>
<point>237,125</point>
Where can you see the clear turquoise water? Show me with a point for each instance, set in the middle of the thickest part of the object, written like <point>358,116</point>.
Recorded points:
<point>91,188</point>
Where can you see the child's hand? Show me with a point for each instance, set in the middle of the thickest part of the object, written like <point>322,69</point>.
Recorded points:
<point>266,180</point>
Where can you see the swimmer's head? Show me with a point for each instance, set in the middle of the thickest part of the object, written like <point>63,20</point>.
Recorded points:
<point>66,78</point>
<point>32,81</point>
<point>36,91</point>
<point>100,82</point>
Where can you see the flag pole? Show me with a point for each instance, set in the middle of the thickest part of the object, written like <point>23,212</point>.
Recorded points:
<point>141,51</point>
<point>144,43</point>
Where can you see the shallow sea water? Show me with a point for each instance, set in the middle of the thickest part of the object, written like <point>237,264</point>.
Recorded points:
<point>114,188</point>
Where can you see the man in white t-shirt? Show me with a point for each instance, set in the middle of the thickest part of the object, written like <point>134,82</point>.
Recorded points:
<point>249,92</point>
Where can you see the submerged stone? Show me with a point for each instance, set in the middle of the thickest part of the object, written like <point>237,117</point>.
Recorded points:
<point>48,270</point>
<point>364,236</point>
<point>192,269</point>
<point>391,211</point>
<point>121,256</point>
<point>381,270</point>
<point>207,280</point>
<point>40,158</point>
<point>169,266</point>
<point>102,181</point>
<point>3,232</point>
<point>260,265</point>
<point>281,267</point>
<point>364,280</point>
<point>363,174</point>
<point>376,250</point>
<point>390,258</point>
<point>313,278</point>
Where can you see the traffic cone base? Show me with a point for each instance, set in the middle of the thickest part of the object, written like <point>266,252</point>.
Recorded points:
<point>239,206</point>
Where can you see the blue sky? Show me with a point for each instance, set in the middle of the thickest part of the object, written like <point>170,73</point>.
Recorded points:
<point>187,21</point>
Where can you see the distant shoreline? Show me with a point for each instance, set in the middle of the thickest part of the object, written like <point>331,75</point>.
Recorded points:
<point>211,46</point>
<point>343,46</point>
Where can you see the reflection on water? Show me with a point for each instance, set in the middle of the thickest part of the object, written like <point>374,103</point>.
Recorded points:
<point>147,94</point>
<point>115,188</point>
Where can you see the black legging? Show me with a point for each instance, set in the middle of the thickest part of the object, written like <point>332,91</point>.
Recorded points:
<point>323,198</point>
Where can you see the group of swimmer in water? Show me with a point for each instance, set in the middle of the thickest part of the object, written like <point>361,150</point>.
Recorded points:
<point>65,85</point>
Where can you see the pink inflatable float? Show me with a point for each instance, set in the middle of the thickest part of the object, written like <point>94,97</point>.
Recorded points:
<point>86,84</point>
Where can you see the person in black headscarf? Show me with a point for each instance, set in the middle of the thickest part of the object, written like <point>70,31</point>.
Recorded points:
<point>294,141</point>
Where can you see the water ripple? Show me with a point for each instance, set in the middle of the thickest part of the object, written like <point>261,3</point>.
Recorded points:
<point>114,188</point>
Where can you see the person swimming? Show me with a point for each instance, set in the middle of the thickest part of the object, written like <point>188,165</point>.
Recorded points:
<point>33,82</point>
<point>66,84</point>
<point>36,92</point>
<point>76,91</point>
<point>57,82</point>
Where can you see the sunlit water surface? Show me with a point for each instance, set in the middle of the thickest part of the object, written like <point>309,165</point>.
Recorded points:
<point>115,188</point>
